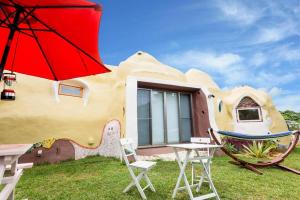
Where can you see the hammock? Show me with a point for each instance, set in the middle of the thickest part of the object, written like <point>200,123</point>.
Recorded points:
<point>255,137</point>
<point>253,166</point>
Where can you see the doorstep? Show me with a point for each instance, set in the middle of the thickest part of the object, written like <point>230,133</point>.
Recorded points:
<point>154,150</point>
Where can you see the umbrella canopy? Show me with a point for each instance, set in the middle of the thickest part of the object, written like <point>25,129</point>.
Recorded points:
<point>52,39</point>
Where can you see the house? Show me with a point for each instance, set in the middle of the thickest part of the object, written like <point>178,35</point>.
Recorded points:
<point>142,98</point>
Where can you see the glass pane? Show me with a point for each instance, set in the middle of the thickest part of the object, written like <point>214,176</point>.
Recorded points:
<point>144,132</point>
<point>144,118</point>
<point>172,117</point>
<point>185,107</point>
<point>249,114</point>
<point>143,102</point>
<point>186,129</point>
<point>185,117</point>
<point>157,117</point>
<point>70,90</point>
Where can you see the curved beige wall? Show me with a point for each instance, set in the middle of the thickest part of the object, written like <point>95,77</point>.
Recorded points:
<point>230,98</point>
<point>36,115</point>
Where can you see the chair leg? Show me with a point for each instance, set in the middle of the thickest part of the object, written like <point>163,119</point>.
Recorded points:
<point>140,189</point>
<point>133,182</point>
<point>193,174</point>
<point>136,182</point>
<point>200,183</point>
<point>149,182</point>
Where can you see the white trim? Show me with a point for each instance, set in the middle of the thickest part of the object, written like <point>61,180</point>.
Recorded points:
<point>251,127</point>
<point>211,111</point>
<point>55,86</point>
<point>131,103</point>
<point>84,84</point>
<point>131,110</point>
<point>250,108</point>
<point>211,114</point>
<point>165,82</point>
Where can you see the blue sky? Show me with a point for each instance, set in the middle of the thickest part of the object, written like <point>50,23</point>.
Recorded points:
<point>255,43</point>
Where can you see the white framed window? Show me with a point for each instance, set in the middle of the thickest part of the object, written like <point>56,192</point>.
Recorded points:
<point>249,114</point>
<point>73,88</point>
<point>70,90</point>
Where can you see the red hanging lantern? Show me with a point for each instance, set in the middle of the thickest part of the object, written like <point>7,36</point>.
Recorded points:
<point>8,93</point>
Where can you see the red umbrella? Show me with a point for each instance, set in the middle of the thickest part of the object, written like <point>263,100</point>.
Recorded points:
<point>52,39</point>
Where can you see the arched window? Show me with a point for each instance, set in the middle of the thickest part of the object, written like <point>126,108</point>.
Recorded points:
<point>73,88</point>
<point>248,111</point>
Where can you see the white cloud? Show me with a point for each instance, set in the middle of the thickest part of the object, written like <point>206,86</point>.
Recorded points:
<point>269,79</point>
<point>258,59</point>
<point>275,33</point>
<point>225,67</point>
<point>241,13</point>
<point>270,35</point>
<point>203,60</point>
<point>288,53</point>
<point>230,69</point>
<point>288,102</point>
<point>284,99</point>
<point>275,91</point>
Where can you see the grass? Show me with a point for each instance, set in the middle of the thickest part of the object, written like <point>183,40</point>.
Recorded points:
<point>105,178</point>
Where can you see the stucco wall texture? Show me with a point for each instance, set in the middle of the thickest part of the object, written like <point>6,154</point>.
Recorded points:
<point>36,114</point>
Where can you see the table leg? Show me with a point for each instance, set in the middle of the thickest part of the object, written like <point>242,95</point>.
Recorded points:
<point>206,173</point>
<point>182,173</point>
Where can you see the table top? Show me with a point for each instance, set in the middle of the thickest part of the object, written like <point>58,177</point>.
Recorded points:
<point>193,146</point>
<point>13,149</point>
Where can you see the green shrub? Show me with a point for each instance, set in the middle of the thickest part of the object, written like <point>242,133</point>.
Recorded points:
<point>259,149</point>
<point>230,148</point>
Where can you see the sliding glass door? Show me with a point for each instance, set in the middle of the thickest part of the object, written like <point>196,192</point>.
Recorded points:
<point>164,117</point>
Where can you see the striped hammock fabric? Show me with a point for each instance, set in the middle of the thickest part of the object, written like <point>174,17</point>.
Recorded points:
<point>255,137</point>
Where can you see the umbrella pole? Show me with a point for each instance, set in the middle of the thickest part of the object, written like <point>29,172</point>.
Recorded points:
<point>13,27</point>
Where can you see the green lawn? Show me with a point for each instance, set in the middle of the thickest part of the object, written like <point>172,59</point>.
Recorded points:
<point>105,178</point>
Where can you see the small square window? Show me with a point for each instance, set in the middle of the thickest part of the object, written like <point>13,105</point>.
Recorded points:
<point>70,90</point>
<point>249,114</point>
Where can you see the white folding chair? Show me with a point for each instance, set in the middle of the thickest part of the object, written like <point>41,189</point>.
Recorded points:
<point>206,153</point>
<point>142,166</point>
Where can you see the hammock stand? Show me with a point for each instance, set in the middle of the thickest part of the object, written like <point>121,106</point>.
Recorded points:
<point>276,162</point>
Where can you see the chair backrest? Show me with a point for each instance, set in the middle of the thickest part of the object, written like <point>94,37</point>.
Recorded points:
<point>202,140</point>
<point>127,149</point>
